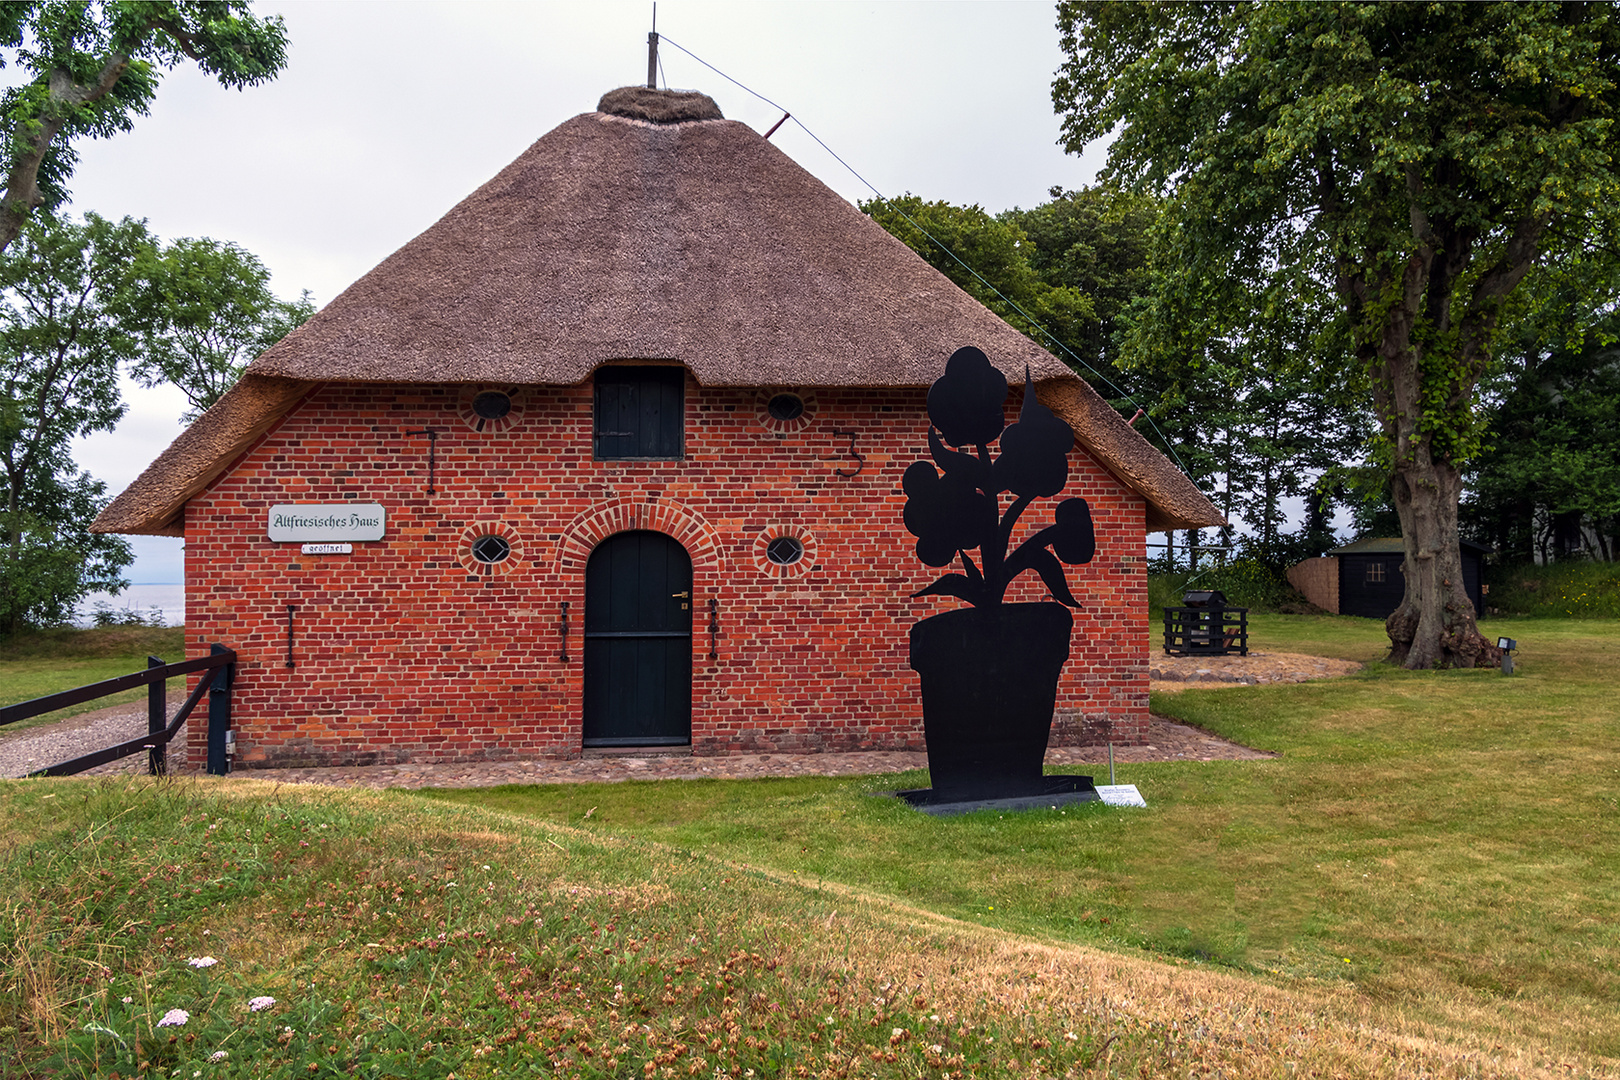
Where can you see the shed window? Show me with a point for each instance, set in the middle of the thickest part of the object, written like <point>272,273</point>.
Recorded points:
<point>640,412</point>
<point>1375,573</point>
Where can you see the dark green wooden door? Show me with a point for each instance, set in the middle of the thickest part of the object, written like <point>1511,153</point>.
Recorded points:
<point>638,642</point>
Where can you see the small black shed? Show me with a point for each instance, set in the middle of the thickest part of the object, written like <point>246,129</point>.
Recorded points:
<point>1370,581</point>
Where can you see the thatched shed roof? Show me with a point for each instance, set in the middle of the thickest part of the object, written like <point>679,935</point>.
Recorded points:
<point>650,229</point>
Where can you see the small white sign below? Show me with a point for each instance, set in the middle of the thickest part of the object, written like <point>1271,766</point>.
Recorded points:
<point>328,549</point>
<point>1120,795</point>
<point>294,523</point>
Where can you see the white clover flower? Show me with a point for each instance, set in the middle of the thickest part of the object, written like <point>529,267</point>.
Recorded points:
<point>202,961</point>
<point>219,1055</point>
<point>259,1004</point>
<point>174,1018</point>
<point>128,1000</point>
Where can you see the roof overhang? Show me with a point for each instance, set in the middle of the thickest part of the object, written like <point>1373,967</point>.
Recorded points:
<point>154,504</point>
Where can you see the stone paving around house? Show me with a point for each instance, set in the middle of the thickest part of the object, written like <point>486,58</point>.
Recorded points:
<point>1168,741</point>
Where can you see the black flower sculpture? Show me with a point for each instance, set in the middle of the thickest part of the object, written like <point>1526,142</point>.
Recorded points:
<point>989,673</point>
<point>959,511</point>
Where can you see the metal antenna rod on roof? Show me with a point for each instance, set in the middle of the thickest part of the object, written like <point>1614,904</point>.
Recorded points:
<point>652,53</point>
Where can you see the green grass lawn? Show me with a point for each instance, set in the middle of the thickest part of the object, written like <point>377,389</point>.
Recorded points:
<point>1426,881</point>
<point>34,665</point>
<point>1342,636</point>
<point>243,928</point>
<point>1447,841</point>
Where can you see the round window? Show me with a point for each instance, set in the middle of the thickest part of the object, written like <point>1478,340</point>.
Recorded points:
<point>785,407</point>
<point>490,549</point>
<point>490,410</point>
<point>492,405</point>
<point>784,551</point>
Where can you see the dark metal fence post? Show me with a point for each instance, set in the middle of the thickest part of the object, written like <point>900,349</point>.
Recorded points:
<point>157,718</point>
<point>219,716</point>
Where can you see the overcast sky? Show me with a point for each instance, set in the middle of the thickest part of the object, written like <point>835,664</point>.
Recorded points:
<point>389,113</point>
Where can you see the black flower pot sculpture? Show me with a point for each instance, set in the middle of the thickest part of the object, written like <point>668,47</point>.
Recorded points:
<point>990,672</point>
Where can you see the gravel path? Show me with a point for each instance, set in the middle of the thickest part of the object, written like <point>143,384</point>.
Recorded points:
<point>1170,674</point>
<point>24,751</point>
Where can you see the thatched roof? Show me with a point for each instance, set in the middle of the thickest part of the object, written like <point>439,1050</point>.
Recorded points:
<point>614,238</point>
<point>650,229</point>
<point>1173,501</point>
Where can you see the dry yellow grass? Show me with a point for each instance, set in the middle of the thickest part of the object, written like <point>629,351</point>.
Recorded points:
<point>1211,1023</point>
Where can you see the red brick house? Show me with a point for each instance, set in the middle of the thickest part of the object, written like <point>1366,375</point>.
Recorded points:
<point>628,425</point>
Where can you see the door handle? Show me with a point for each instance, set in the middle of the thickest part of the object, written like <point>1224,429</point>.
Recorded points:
<point>687,595</point>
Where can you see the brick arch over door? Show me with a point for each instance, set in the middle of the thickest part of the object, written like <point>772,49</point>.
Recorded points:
<point>604,519</point>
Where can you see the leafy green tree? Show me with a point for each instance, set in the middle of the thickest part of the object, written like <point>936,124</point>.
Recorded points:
<point>1417,160</point>
<point>92,67</point>
<point>989,258</point>
<point>65,290</point>
<point>1551,469</point>
<point>52,560</point>
<point>1246,413</point>
<point>1095,241</point>
<point>203,309</point>
<point>1255,417</point>
<point>81,302</point>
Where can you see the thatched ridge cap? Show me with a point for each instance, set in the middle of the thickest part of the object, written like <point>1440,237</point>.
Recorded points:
<point>659,106</point>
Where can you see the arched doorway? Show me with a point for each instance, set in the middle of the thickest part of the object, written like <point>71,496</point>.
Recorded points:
<point>638,642</point>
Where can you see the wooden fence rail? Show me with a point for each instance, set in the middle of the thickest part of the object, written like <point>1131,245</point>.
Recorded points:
<point>160,730</point>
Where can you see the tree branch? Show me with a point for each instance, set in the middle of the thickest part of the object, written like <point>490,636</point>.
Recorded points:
<point>36,135</point>
<point>1421,231</point>
<point>182,37</point>
<point>1485,304</point>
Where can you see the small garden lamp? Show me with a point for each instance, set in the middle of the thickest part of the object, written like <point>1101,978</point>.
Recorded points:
<point>1507,645</point>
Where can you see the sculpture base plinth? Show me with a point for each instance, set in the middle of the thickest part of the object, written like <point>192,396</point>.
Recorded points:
<point>1050,792</point>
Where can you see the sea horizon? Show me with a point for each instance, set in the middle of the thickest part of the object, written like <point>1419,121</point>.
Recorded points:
<point>164,600</point>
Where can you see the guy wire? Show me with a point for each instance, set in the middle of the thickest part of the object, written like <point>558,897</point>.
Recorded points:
<point>1100,377</point>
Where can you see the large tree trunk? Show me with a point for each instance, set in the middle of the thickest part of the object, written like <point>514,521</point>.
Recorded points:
<point>1434,626</point>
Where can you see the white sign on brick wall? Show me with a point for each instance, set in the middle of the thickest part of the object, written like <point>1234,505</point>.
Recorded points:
<point>298,523</point>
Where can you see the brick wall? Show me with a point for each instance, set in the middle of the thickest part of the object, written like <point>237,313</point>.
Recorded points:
<point>403,650</point>
<point>1318,579</point>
